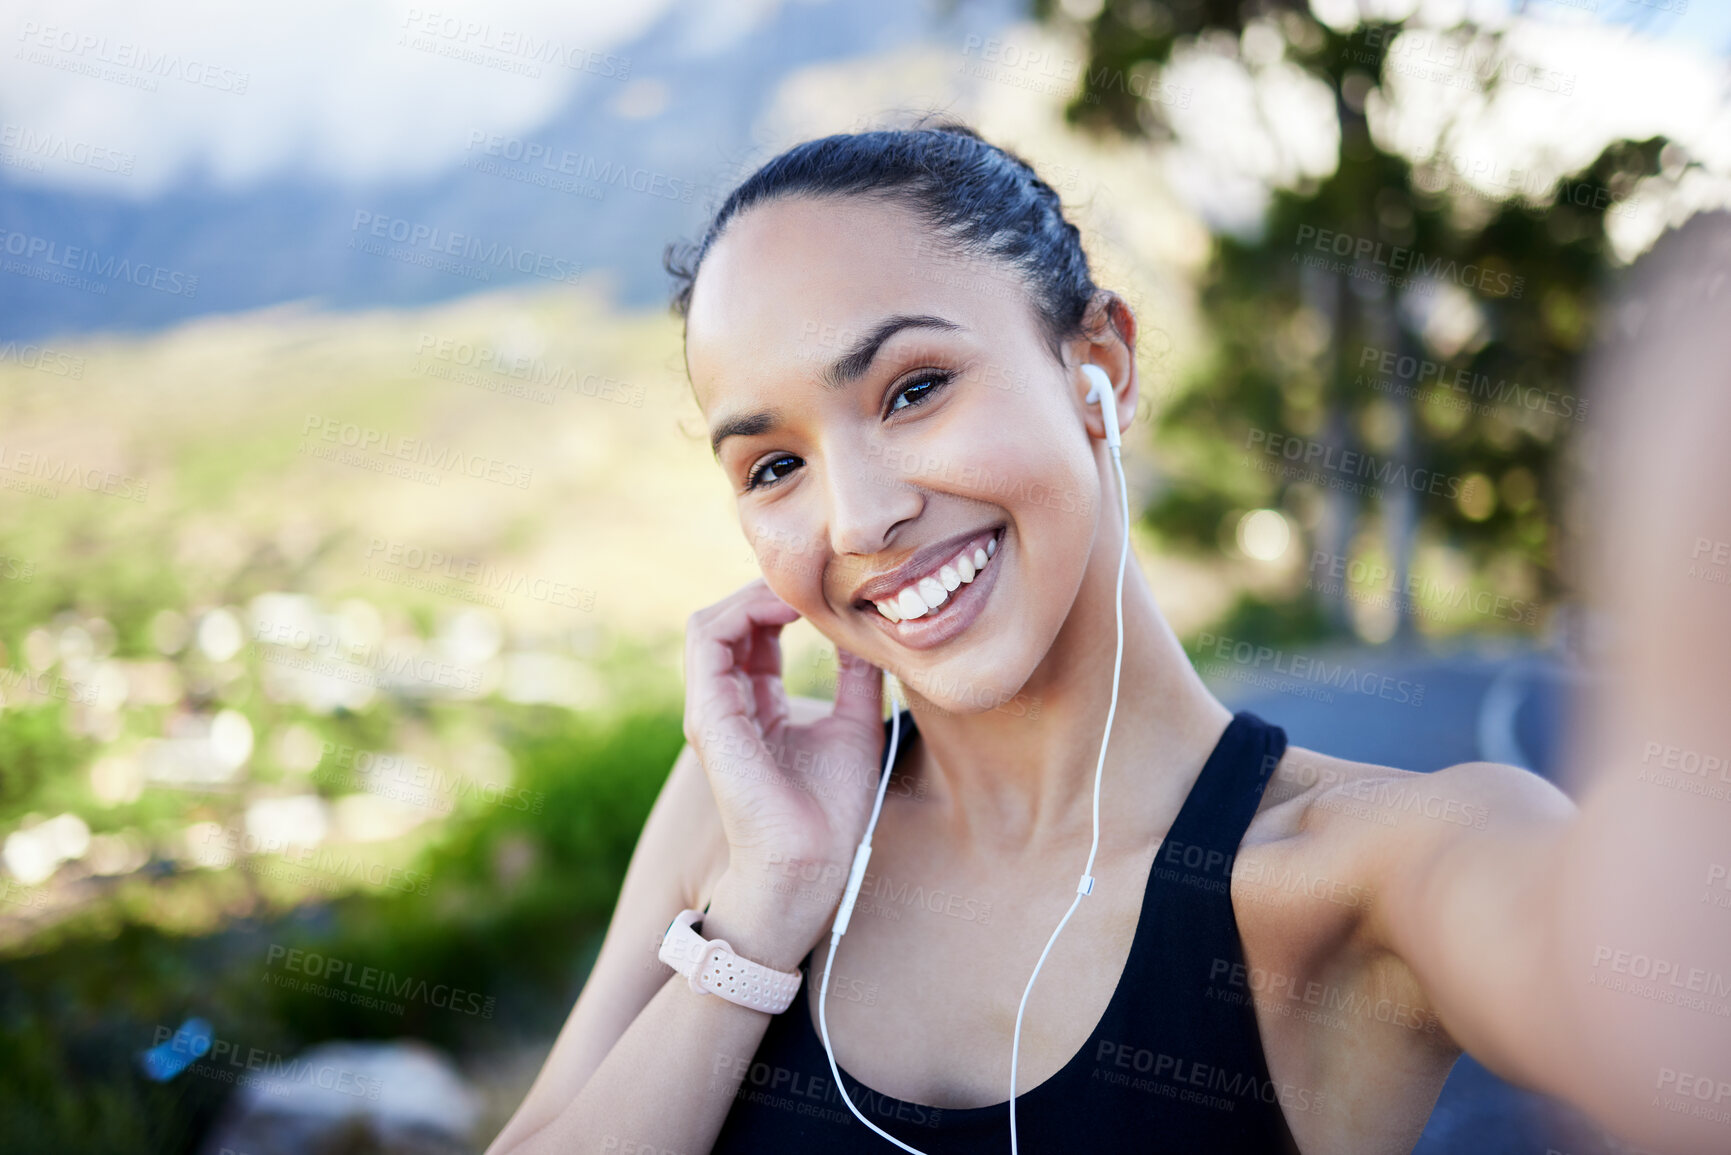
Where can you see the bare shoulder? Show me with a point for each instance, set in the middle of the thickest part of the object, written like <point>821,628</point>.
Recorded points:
<point>1337,844</point>
<point>1337,830</point>
<point>1311,792</point>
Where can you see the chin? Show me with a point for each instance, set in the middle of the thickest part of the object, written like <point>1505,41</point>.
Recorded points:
<point>988,679</point>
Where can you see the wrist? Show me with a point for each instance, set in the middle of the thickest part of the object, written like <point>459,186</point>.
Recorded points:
<point>760,924</point>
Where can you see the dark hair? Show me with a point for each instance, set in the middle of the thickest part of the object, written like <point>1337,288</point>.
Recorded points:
<point>979,198</point>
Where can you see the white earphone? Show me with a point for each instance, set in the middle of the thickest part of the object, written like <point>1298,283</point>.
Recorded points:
<point>1099,392</point>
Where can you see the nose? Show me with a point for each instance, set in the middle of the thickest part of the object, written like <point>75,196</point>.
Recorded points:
<point>867,500</point>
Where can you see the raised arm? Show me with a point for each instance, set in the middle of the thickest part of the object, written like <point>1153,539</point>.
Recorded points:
<point>627,976</point>
<point>1589,955</point>
<point>645,1063</point>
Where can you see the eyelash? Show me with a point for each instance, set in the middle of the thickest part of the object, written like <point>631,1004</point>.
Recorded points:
<point>937,378</point>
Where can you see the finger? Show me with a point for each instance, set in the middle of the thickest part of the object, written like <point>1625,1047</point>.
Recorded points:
<point>771,696</point>
<point>715,688</point>
<point>761,649</point>
<point>712,642</point>
<point>724,613</point>
<point>730,623</point>
<point>761,660</point>
<point>858,690</point>
<point>761,652</point>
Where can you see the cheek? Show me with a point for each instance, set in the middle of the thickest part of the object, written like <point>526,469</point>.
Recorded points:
<point>790,559</point>
<point>1054,519</point>
<point>1043,476</point>
<point>1026,455</point>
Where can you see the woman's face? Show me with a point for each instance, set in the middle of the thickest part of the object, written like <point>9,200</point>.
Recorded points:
<point>885,410</point>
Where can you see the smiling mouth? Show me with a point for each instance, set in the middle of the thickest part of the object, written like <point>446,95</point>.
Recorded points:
<point>929,594</point>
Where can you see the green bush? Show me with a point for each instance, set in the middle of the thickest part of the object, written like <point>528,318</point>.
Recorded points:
<point>517,901</point>
<point>38,758</point>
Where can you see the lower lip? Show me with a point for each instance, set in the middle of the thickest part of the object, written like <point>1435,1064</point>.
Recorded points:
<point>965,603</point>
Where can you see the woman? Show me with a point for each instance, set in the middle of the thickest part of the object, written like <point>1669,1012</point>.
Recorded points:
<point>886,333</point>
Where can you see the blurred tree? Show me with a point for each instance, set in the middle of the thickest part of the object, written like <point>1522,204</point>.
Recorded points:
<point>1410,337</point>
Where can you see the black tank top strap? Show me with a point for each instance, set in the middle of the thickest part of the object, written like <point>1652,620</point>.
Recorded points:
<point>1205,835</point>
<point>908,730</point>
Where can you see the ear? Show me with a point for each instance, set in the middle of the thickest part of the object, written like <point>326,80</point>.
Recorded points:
<point>1108,340</point>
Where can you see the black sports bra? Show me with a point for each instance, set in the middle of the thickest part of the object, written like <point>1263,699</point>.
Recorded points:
<point>1175,1063</point>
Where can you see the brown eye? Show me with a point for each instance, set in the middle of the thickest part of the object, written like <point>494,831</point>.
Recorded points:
<point>919,390</point>
<point>768,466</point>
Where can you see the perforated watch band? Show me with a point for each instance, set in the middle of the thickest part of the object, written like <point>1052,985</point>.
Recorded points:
<point>711,967</point>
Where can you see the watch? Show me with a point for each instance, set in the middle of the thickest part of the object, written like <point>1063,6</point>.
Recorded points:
<point>711,967</point>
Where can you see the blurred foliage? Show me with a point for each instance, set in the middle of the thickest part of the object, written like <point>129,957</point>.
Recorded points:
<point>1290,344</point>
<point>124,640</point>
<point>88,557</point>
<point>114,673</point>
<point>35,752</point>
<point>1269,623</point>
<point>516,906</point>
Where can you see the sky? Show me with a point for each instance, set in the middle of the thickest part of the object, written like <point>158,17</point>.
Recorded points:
<point>353,90</point>
<point>223,162</point>
<point>350,89</point>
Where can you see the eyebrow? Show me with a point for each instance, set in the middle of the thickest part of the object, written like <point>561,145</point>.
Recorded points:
<point>839,374</point>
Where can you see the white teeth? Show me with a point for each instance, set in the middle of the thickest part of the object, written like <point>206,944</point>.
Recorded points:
<point>927,594</point>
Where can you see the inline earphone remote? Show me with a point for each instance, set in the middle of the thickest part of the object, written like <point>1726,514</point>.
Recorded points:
<point>1100,393</point>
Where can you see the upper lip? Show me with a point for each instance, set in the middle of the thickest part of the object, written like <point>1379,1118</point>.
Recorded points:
<point>925,561</point>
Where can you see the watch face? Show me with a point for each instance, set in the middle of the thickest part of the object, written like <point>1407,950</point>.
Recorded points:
<point>674,947</point>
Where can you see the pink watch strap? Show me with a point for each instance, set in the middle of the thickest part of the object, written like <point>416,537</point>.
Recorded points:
<point>711,967</point>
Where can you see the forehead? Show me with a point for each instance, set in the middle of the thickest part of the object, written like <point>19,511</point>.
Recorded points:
<point>795,281</point>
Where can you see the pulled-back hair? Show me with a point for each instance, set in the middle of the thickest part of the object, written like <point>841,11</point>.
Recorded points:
<point>976,197</point>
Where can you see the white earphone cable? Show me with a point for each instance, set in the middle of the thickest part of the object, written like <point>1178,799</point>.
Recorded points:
<point>1086,884</point>
<point>846,912</point>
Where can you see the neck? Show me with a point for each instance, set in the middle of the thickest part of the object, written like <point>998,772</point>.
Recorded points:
<point>1020,778</point>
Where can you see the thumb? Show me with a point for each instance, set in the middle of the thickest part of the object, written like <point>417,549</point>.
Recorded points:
<point>858,690</point>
